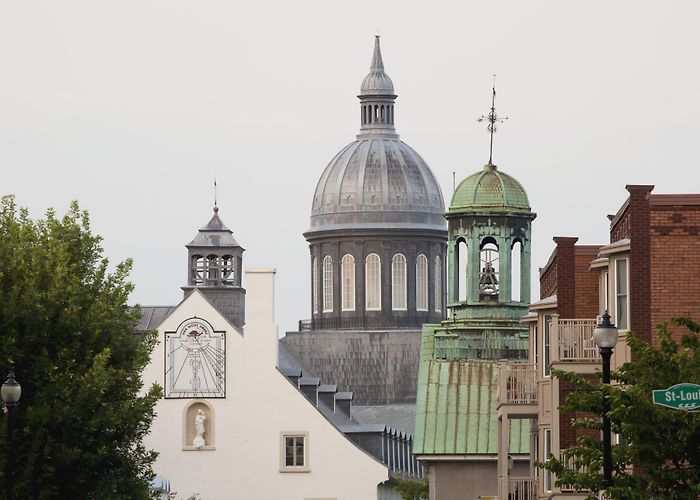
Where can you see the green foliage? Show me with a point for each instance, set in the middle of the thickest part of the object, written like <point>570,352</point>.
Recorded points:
<point>69,335</point>
<point>412,489</point>
<point>663,444</point>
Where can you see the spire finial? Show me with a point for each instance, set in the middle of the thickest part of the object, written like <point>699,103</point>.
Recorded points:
<point>216,206</point>
<point>377,63</point>
<point>492,118</point>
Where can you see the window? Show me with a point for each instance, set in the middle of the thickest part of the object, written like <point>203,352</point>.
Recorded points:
<point>212,269</point>
<point>438,284</point>
<point>535,344</point>
<point>294,453</point>
<point>621,304</point>
<point>327,284</point>
<point>373,272</point>
<point>422,283</point>
<point>198,270</point>
<point>547,452</point>
<point>604,283</point>
<point>545,345</point>
<point>348,280</point>
<point>314,284</point>
<point>398,282</point>
<point>227,270</point>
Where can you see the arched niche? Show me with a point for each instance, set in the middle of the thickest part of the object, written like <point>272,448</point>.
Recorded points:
<point>189,426</point>
<point>516,270</point>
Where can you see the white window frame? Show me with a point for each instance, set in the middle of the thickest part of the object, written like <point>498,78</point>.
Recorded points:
<point>327,284</point>
<point>546,346</point>
<point>304,437</point>
<point>372,288</point>
<point>604,291</point>
<point>422,283</point>
<point>627,294</point>
<point>546,451</point>
<point>399,300</point>
<point>314,285</point>
<point>438,283</point>
<point>347,291</point>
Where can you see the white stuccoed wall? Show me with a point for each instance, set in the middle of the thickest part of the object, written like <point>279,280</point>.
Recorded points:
<point>260,403</point>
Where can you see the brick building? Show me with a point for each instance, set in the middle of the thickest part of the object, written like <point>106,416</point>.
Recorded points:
<point>646,274</point>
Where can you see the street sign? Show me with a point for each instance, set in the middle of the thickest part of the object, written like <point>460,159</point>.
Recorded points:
<point>679,397</point>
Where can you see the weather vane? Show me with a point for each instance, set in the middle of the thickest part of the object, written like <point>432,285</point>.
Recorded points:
<point>215,204</point>
<point>492,118</point>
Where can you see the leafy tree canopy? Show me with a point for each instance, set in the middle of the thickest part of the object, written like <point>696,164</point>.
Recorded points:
<point>660,454</point>
<point>412,489</point>
<point>68,333</point>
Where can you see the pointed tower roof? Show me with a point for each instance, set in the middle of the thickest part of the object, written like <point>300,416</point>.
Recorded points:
<point>214,234</point>
<point>377,82</point>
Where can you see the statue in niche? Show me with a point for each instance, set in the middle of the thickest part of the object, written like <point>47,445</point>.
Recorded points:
<point>199,420</point>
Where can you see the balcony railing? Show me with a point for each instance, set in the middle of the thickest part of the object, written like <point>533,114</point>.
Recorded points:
<point>574,339</point>
<point>517,383</point>
<point>569,463</point>
<point>522,488</point>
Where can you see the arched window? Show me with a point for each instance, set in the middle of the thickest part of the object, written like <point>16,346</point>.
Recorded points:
<point>373,282</point>
<point>438,284</point>
<point>198,269</point>
<point>462,254</point>
<point>212,270</point>
<point>227,270</point>
<point>422,283</point>
<point>382,114</point>
<point>488,269</point>
<point>327,284</point>
<point>314,284</point>
<point>516,270</point>
<point>348,280</point>
<point>398,282</point>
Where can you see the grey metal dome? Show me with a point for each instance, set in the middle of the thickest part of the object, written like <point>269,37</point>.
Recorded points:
<point>377,181</point>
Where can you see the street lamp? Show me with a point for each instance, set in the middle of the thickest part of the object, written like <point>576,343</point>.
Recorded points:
<point>605,337</point>
<point>10,393</point>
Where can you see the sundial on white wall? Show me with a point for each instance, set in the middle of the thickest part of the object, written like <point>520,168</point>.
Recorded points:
<point>195,361</point>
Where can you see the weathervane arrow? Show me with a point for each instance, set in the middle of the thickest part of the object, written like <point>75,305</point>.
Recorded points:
<point>492,118</point>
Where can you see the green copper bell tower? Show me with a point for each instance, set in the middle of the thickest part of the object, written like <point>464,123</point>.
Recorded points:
<point>489,223</point>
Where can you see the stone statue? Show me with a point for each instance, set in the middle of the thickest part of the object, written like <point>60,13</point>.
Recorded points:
<point>199,420</point>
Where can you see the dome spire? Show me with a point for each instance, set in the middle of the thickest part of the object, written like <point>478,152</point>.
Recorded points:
<point>377,99</point>
<point>377,63</point>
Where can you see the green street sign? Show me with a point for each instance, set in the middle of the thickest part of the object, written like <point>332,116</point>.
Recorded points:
<point>679,397</point>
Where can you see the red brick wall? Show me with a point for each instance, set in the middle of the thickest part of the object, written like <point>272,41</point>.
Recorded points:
<point>640,261</point>
<point>567,433</point>
<point>566,277</point>
<point>548,281</point>
<point>675,263</point>
<point>587,283</point>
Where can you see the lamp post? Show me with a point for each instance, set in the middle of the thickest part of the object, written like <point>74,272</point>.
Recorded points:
<point>605,337</point>
<point>10,393</point>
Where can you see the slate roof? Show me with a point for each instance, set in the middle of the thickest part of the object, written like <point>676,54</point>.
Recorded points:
<point>153,316</point>
<point>456,408</point>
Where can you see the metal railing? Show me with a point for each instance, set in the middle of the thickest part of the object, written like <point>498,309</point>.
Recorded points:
<point>569,463</point>
<point>517,383</point>
<point>522,488</point>
<point>361,322</point>
<point>574,338</point>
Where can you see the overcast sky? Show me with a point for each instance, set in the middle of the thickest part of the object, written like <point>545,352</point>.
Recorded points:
<point>132,108</point>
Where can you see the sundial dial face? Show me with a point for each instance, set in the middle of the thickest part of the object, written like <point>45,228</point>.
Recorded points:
<point>195,361</point>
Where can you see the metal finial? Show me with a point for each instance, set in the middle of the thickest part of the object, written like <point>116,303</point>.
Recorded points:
<point>216,205</point>
<point>492,118</point>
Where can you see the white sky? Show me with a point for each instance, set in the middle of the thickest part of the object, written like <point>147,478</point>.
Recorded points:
<point>132,107</point>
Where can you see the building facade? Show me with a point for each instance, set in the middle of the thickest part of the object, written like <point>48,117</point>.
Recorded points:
<point>489,230</point>
<point>629,277</point>
<point>377,257</point>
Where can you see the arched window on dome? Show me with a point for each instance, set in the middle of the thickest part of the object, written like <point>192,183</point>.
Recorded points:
<point>375,118</point>
<point>488,270</point>
<point>327,284</point>
<point>347,270</point>
<point>227,270</point>
<point>438,283</point>
<point>373,282</point>
<point>212,270</point>
<point>422,283</point>
<point>461,252</point>
<point>198,269</point>
<point>314,285</point>
<point>382,114</point>
<point>515,270</point>
<point>398,282</point>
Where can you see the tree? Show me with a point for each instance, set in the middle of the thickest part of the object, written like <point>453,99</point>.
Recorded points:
<point>660,457</point>
<point>412,489</point>
<point>69,334</point>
